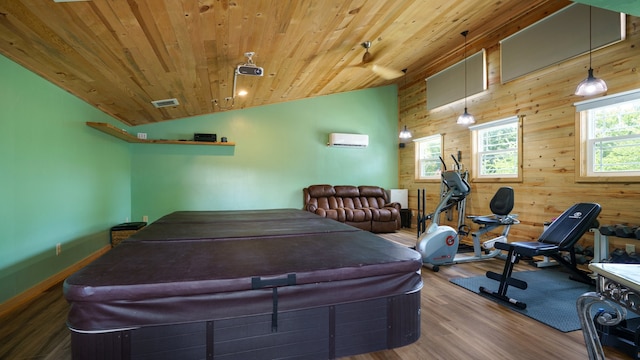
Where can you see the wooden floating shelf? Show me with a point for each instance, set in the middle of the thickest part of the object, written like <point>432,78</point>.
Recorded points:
<point>123,135</point>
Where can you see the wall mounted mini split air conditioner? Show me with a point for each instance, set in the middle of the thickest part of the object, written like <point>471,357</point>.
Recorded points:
<point>348,140</point>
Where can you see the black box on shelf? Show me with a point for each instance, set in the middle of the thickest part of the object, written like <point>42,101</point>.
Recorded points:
<point>205,137</point>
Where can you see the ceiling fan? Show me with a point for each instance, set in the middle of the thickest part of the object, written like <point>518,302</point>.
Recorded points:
<point>382,71</point>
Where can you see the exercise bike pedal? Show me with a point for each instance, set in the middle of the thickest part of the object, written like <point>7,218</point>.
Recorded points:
<point>464,230</point>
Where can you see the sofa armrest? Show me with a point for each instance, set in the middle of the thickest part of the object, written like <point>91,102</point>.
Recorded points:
<point>311,208</point>
<point>394,205</point>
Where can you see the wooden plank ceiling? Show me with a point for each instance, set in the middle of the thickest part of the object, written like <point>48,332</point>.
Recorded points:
<point>119,55</point>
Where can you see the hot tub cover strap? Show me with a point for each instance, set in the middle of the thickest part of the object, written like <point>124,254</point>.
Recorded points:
<point>258,283</point>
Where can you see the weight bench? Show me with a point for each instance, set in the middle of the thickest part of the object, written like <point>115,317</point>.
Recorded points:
<point>561,235</point>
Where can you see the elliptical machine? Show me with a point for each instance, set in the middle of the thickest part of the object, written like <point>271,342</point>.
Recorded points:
<point>439,244</point>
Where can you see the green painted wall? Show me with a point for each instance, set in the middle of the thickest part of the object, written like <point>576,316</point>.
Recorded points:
<point>60,181</point>
<point>280,149</point>
<point>63,182</point>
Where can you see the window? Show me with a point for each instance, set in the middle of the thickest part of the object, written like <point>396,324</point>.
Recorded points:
<point>609,136</point>
<point>496,150</point>
<point>428,152</point>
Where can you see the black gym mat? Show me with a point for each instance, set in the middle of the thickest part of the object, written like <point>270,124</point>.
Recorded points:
<point>550,297</point>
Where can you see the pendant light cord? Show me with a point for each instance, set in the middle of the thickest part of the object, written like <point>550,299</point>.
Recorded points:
<point>590,41</point>
<point>464,33</point>
<point>465,118</point>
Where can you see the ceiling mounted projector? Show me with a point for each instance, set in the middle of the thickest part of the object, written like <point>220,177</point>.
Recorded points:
<point>249,69</point>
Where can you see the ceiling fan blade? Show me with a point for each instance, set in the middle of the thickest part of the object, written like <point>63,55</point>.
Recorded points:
<point>386,73</point>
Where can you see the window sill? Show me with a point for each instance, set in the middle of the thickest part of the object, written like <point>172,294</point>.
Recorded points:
<point>497,179</point>
<point>607,179</point>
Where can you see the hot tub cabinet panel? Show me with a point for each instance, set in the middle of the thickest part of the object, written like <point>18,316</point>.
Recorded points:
<point>318,333</point>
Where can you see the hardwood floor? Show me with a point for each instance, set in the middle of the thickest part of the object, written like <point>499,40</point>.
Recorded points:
<point>456,324</point>
<point>37,329</point>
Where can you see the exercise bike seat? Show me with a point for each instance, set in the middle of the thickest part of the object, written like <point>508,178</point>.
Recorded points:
<point>501,205</point>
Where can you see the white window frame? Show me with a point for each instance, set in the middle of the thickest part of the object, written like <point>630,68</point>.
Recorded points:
<point>585,144</point>
<point>478,152</point>
<point>437,138</point>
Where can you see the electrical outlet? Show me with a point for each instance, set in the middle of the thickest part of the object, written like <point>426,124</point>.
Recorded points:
<point>58,249</point>
<point>630,248</point>
<point>145,218</point>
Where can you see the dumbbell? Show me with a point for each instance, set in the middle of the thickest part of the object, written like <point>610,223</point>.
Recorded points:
<point>588,251</point>
<point>581,259</point>
<point>625,231</point>
<point>608,230</point>
<point>619,230</point>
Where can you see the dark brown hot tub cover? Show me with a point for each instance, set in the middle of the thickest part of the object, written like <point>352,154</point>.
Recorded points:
<point>184,275</point>
<point>211,225</point>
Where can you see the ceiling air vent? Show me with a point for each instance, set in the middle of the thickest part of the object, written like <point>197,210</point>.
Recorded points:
<point>165,103</point>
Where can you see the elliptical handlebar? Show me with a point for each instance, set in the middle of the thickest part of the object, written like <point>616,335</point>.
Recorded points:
<point>458,167</point>
<point>456,161</point>
<point>444,165</point>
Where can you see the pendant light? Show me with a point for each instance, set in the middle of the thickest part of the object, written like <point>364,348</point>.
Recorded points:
<point>465,118</point>
<point>591,85</point>
<point>405,133</point>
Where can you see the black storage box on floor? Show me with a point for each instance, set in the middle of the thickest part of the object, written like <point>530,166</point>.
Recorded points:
<point>124,230</point>
<point>405,218</point>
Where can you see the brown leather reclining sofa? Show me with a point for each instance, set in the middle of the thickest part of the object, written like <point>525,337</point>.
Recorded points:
<point>365,207</point>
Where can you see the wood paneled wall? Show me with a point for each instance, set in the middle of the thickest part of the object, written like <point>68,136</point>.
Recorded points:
<point>545,98</point>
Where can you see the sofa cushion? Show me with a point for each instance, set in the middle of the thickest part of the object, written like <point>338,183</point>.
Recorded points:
<point>346,191</point>
<point>324,203</point>
<point>348,197</point>
<point>351,203</point>
<point>372,196</point>
<point>372,202</point>
<point>384,214</point>
<point>321,190</point>
<point>357,215</point>
<point>372,191</point>
<point>335,214</point>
